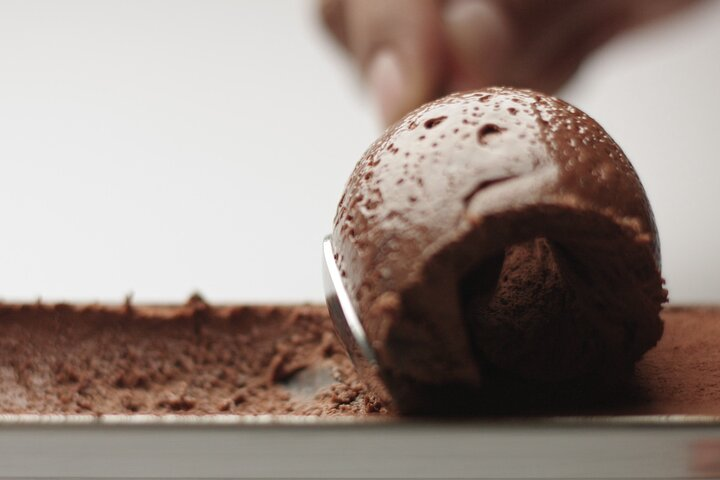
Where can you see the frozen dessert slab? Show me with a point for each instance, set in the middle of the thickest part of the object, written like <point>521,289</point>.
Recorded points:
<point>196,359</point>
<point>185,359</point>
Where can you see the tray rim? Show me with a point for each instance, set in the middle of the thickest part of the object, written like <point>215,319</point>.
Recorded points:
<point>314,422</point>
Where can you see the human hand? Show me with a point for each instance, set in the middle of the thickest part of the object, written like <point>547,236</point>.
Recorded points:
<point>411,51</point>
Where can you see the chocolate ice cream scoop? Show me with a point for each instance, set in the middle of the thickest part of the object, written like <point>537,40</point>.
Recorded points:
<point>498,237</point>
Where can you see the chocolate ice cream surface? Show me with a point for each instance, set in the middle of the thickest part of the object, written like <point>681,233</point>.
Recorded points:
<point>499,241</point>
<point>189,359</point>
<point>197,359</point>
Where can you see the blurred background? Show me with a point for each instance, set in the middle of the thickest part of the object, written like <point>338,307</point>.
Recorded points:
<point>163,147</point>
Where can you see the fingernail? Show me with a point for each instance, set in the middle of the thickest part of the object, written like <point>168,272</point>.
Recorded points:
<point>477,35</point>
<point>387,82</point>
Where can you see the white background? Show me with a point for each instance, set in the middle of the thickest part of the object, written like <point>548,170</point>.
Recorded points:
<point>159,147</point>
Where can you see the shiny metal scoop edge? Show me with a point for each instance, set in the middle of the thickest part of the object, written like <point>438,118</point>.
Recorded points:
<point>343,314</point>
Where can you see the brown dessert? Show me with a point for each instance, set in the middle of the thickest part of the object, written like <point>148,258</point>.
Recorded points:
<point>183,359</point>
<point>494,240</point>
<point>249,360</point>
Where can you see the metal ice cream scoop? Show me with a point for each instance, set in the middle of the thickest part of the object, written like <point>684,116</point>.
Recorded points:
<point>347,324</point>
<point>342,312</point>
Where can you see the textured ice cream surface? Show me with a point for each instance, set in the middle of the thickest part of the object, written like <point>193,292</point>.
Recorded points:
<point>499,234</point>
<point>197,359</point>
<point>189,359</point>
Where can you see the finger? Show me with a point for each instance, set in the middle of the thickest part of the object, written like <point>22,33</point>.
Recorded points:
<point>485,37</point>
<point>332,13</point>
<point>480,39</point>
<point>511,42</point>
<point>642,11</point>
<point>399,46</point>
<point>535,44</point>
<point>557,49</point>
<point>573,31</point>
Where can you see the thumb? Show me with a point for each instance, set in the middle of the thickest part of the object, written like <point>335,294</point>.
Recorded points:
<point>398,46</point>
<point>480,39</point>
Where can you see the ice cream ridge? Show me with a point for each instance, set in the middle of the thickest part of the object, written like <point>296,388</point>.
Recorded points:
<point>500,250</point>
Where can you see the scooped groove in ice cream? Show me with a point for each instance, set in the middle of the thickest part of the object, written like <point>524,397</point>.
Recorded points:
<point>494,235</point>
